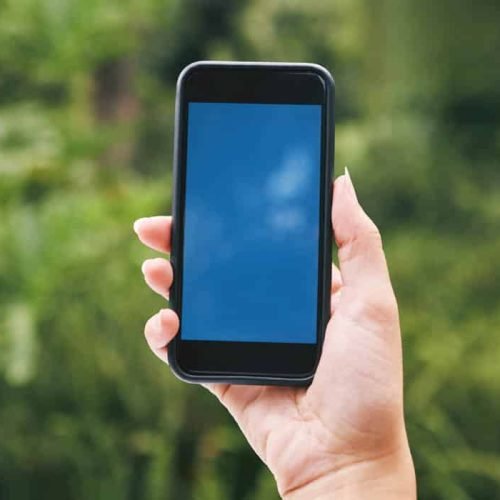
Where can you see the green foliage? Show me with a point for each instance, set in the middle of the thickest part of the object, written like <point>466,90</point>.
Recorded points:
<point>86,117</point>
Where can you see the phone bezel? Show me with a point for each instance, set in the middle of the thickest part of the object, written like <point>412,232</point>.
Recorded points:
<point>251,362</point>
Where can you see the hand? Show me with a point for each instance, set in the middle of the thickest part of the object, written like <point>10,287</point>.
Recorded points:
<point>344,436</point>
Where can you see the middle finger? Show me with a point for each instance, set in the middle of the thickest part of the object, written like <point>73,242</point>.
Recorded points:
<point>159,275</point>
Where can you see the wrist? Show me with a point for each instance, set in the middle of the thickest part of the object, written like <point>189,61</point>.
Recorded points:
<point>390,477</point>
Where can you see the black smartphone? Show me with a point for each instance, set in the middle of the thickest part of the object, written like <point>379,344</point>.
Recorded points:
<point>251,232</point>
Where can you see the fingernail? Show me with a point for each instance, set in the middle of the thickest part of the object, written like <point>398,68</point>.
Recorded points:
<point>349,185</point>
<point>137,223</point>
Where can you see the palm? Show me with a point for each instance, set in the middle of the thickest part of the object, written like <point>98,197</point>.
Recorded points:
<point>336,417</point>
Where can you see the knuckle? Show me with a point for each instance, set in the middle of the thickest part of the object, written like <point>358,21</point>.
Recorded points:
<point>378,309</point>
<point>366,237</point>
<point>372,232</point>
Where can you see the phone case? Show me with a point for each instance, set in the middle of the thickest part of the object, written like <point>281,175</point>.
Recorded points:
<point>260,379</point>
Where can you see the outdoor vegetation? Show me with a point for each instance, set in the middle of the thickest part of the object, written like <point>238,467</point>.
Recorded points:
<point>87,92</point>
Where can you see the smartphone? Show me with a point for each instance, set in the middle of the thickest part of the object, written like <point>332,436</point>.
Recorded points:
<point>251,231</point>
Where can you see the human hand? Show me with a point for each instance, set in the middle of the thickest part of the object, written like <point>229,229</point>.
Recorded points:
<point>343,436</point>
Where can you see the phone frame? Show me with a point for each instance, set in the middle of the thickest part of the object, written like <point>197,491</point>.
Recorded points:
<point>263,363</point>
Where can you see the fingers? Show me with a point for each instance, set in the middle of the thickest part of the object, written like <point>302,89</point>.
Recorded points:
<point>159,275</point>
<point>160,329</point>
<point>361,256</point>
<point>154,232</point>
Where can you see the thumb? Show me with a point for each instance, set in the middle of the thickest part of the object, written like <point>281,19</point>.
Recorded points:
<point>361,257</point>
<point>361,363</point>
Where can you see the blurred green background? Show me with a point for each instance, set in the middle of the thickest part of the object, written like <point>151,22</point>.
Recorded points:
<point>86,118</point>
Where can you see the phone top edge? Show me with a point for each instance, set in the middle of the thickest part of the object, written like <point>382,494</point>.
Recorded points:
<point>313,67</point>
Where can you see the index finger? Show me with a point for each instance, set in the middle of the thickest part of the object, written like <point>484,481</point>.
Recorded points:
<point>154,232</point>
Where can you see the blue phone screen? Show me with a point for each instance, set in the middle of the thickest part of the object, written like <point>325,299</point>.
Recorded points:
<point>251,223</point>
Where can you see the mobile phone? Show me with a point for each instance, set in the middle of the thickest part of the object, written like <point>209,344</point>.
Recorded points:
<point>251,231</point>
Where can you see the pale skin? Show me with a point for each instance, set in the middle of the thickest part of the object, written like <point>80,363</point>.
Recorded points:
<point>344,436</point>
